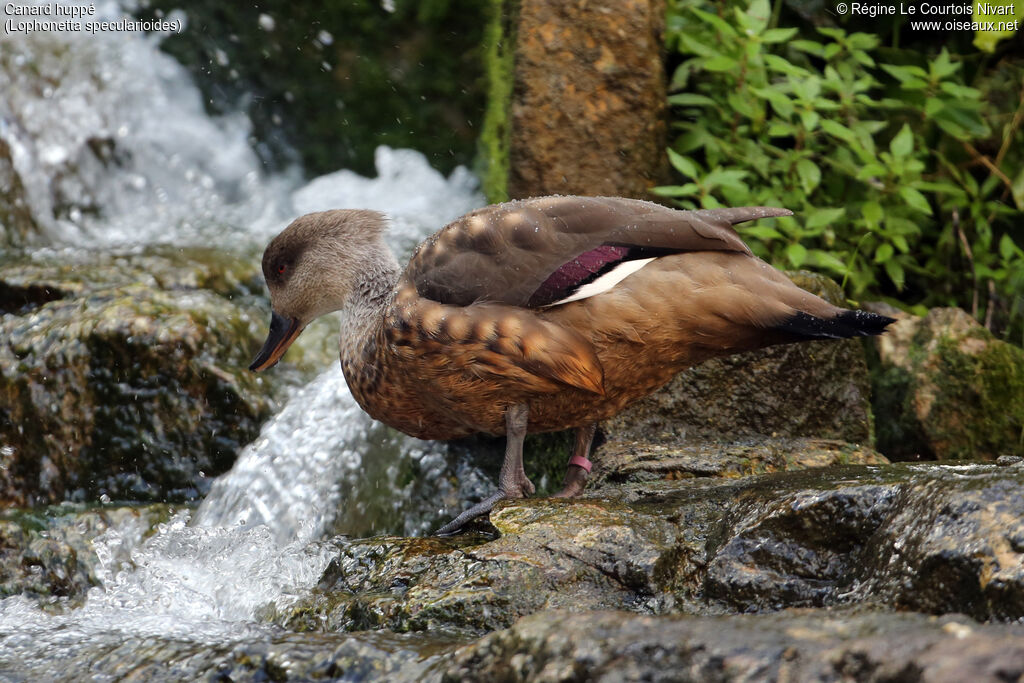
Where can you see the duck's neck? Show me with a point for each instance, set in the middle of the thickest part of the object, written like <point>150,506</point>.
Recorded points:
<point>367,301</point>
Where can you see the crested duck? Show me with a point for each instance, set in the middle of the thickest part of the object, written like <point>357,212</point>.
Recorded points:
<point>535,315</point>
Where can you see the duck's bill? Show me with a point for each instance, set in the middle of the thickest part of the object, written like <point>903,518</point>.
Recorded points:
<point>283,332</point>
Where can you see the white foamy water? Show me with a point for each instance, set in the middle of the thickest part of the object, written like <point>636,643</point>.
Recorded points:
<point>110,142</point>
<point>181,584</point>
<point>321,464</point>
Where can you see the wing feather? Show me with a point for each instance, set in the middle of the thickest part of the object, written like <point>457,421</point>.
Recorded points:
<point>506,252</point>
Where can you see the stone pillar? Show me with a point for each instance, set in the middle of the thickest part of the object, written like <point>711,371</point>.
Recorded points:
<point>587,109</point>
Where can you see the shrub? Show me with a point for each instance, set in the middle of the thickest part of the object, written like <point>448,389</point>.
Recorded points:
<point>907,182</point>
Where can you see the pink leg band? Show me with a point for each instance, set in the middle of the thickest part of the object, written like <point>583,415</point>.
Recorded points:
<point>581,461</point>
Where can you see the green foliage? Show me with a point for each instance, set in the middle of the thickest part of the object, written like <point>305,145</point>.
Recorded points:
<point>899,172</point>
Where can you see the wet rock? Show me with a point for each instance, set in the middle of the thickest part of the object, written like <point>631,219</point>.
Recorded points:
<point>814,389</point>
<point>638,460</point>
<point>947,389</point>
<point>933,539</point>
<point>112,655</point>
<point>791,646</point>
<point>582,556</point>
<point>928,538</point>
<point>797,645</point>
<point>124,374</point>
<point>49,555</point>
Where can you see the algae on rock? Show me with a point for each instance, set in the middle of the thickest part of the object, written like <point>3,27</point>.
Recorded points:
<point>945,388</point>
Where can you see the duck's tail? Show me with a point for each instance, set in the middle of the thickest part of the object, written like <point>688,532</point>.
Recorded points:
<point>845,323</point>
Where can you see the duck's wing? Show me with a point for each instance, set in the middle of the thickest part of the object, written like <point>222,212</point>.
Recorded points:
<point>540,251</point>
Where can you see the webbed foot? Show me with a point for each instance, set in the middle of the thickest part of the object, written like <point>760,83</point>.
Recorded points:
<point>512,482</point>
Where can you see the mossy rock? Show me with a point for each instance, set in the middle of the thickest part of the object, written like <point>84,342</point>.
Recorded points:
<point>124,374</point>
<point>947,389</point>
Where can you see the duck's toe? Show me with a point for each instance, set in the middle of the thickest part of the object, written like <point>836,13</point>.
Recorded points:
<point>520,488</point>
<point>481,508</point>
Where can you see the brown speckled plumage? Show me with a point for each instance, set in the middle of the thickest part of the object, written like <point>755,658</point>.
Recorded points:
<point>456,343</point>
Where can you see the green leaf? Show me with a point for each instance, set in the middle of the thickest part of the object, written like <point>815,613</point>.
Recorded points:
<point>884,252</point>
<point>683,164</point>
<point>863,41</point>
<point>721,63</point>
<point>681,76</point>
<point>796,253</point>
<point>895,272</point>
<point>838,130</point>
<point>810,120</point>
<point>724,27</point>
<point>811,47</point>
<point>872,212</point>
<point>777,35</point>
<point>834,33</point>
<point>826,259</point>
<point>932,106</point>
<point>905,74</point>
<point>961,92</point>
<point>781,129</point>
<point>819,218</point>
<point>776,63</point>
<point>757,15</point>
<point>943,66</point>
<point>868,171</point>
<point>903,144</point>
<point>1017,188</point>
<point>688,45</point>
<point>864,59</point>
<point>915,199</point>
<point>1006,247</point>
<point>689,99</point>
<point>725,178</point>
<point>941,186</point>
<point>986,40</point>
<point>687,190</point>
<point>810,174</point>
<point>743,105</point>
<point>763,233</point>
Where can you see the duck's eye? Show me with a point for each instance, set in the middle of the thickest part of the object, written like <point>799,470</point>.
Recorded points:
<point>282,269</point>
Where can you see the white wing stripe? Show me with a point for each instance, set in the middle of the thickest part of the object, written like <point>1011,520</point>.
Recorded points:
<point>605,282</point>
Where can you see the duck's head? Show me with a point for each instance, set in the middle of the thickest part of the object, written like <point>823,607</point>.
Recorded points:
<point>312,268</point>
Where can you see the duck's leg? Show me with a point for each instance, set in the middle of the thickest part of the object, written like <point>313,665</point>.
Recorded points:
<point>578,469</point>
<point>512,481</point>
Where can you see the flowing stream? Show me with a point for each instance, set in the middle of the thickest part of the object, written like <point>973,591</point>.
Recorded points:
<point>112,147</point>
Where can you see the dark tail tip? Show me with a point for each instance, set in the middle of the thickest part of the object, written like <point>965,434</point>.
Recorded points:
<point>846,324</point>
